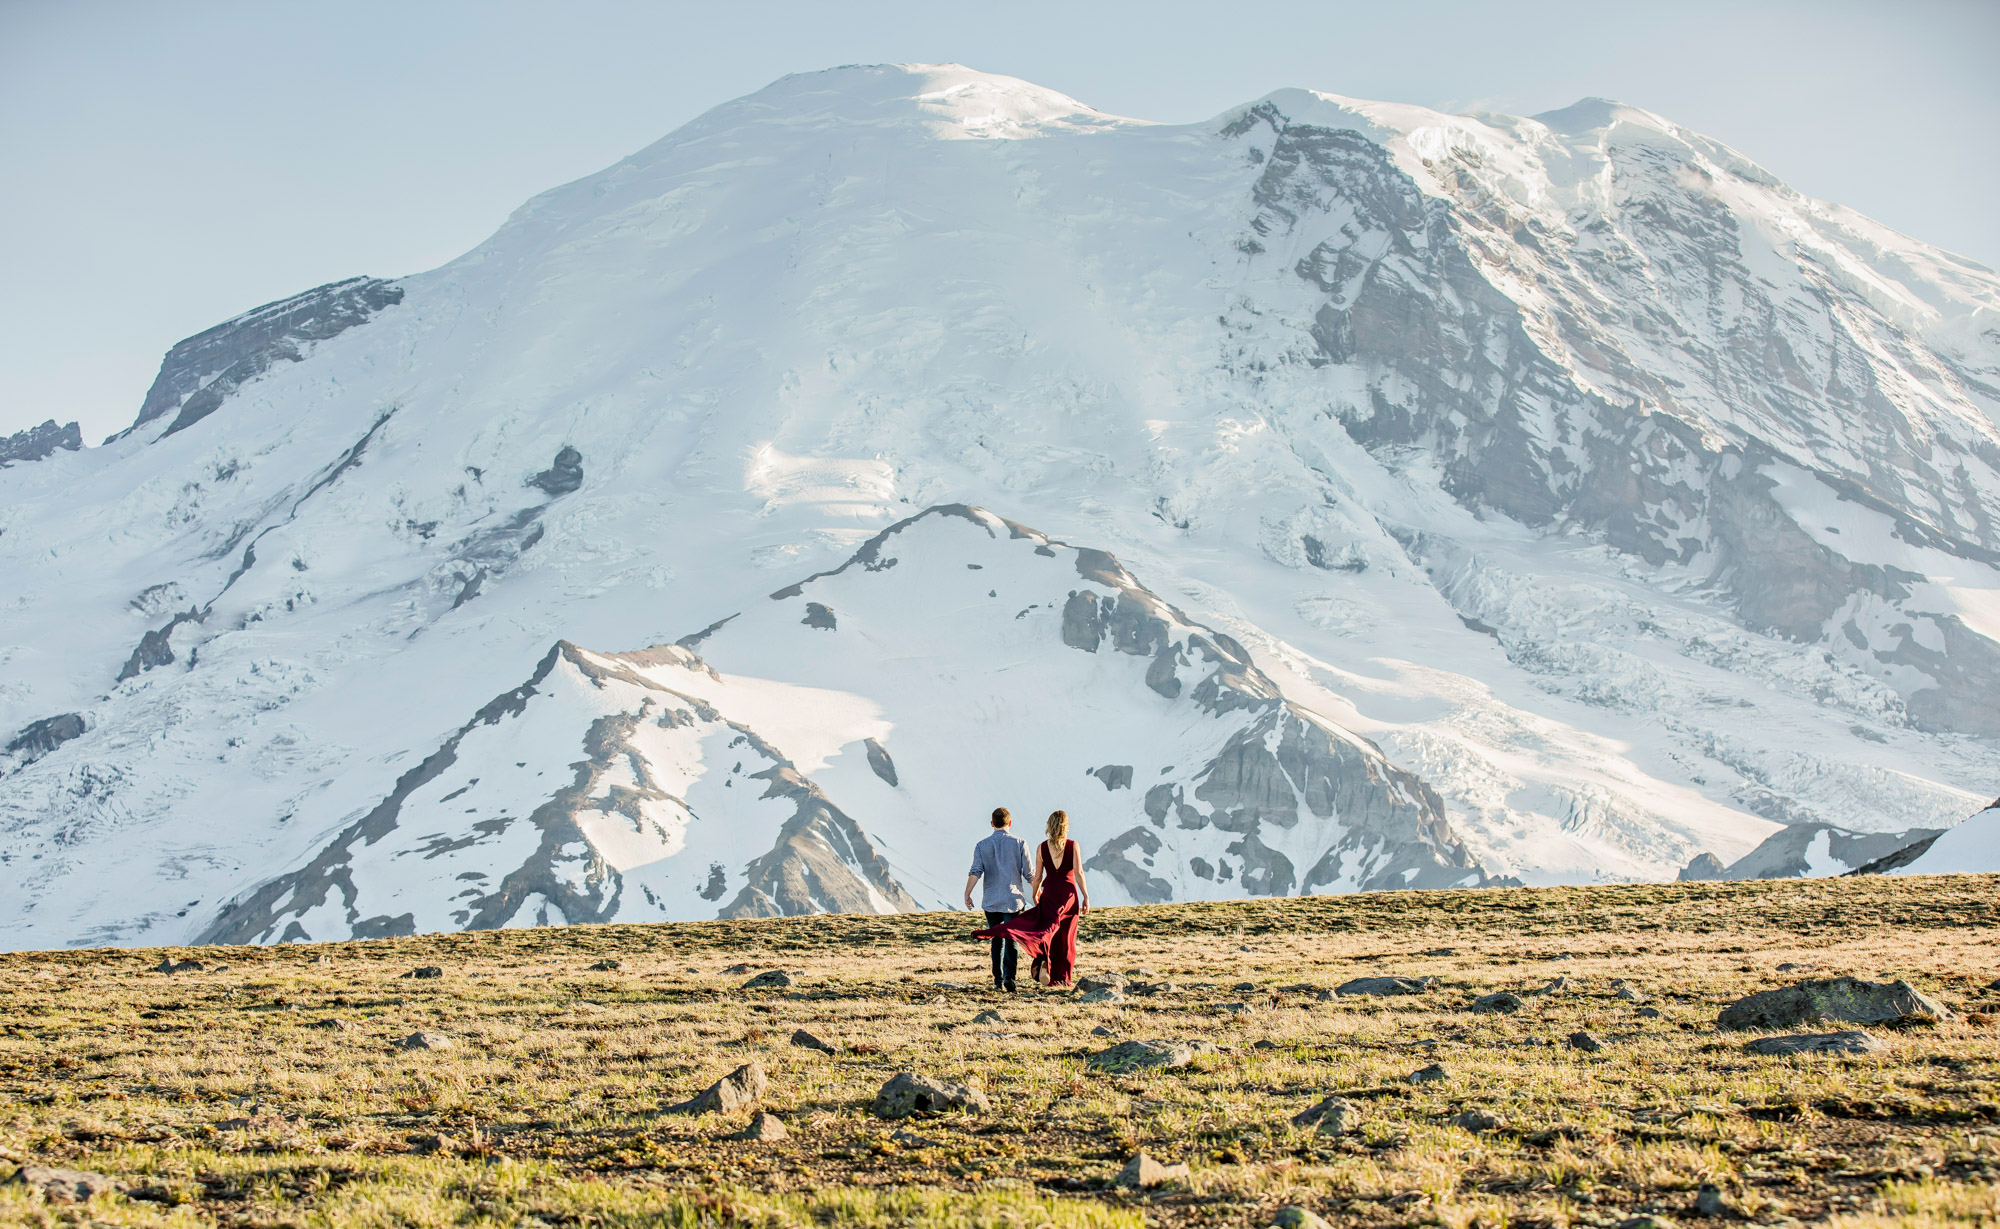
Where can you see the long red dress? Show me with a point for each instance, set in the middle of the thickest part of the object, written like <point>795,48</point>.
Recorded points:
<point>1048,930</point>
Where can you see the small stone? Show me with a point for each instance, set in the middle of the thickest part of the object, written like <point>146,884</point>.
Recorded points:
<point>1333,1116</point>
<point>1442,951</point>
<point>429,1144</point>
<point>1241,1009</point>
<point>1708,1201</point>
<point>606,966</point>
<point>1790,967</point>
<point>1102,1031</point>
<point>1264,1044</point>
<point>910,1139</point>
<point>64,1185</point>
<point>1428,1075</point>
<point>1298,1218</point>
<point>764,1129</point>
<point>1386,985</point>
<point>1581,1040</point>
<point>1645,1222</point>
<point>168,965</point>
<point>1102,994</point>
<point>739,1090</point>
<point>1112,981</point>
<point>1143,1171</point>
<point>429,972</point>
<point>989,1016</point>
<point>321,958</point>
<point>1561,985</point>
<point>1147,1055</point>
<point>428,1041</point>
<point>1245,987</point>
<point>1503,1003</point>
<point>908,1093</point>
<point>1648,1013</point>
<point>806,1041</point>
<point>1852,1041</point>
<point>734,968</point>
<point>1476,1121</point>
<point>1846,999</point>
<point>332,1024</point>
<point>1631,995</point>
<point>769,979</point>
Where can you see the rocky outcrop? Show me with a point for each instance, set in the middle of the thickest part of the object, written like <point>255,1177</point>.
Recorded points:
<point>44,736</point>
<point>200,373</point>
<point>38,442</point>
<point>1801,850</point>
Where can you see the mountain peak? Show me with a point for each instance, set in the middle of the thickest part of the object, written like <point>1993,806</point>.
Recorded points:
<point>956,101</point>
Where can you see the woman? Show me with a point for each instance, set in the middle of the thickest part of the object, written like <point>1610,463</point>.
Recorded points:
<point>1048,930</point>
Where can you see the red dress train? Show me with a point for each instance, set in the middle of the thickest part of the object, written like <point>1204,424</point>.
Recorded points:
<point>1048,931</point>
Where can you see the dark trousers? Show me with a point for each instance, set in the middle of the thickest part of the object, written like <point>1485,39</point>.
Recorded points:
<point>1006,957</point>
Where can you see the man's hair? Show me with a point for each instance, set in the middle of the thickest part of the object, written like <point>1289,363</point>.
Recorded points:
<point>1000,817</point>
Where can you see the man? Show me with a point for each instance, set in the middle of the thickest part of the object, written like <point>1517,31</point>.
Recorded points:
<point>1002,861</point>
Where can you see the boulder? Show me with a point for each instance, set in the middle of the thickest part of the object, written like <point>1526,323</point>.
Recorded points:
<point>908,1093</point>
<point>65,1185</point>
<point>1428,1075</point>
<point>428,1041</point>
<point>1477,1121</point>
<point>806,1041</point>
<point>429,972</point>
<point>1581,1040</point>
<point>1846,999</point>
<point>1386,985</point>
<point>1503,1002</point>
<point>739,1090</point>
<point>1852,1041</point>
<point>1143,1171</point>
<point>769,979</point>
<point>1333,1116</point>
<point>1102,994</point>
<point>764,1129</point>
<point>1103,981</point>
<point>1147,1055</point>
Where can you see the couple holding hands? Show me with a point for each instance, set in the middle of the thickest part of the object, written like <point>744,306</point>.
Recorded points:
<point>1047,929</point>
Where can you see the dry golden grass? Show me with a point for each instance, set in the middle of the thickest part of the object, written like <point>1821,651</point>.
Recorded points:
<point>217,1100</point>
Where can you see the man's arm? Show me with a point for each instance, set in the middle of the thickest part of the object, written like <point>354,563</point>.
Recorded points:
<point>969,881</point>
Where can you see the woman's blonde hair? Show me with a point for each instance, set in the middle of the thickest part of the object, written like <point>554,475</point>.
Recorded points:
<point>1058,827</point>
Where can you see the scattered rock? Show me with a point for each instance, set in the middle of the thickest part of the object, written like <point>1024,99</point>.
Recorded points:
<point>734,968</point>
<point>1245,987</point>
<point>1645,1221</point>
<point>807,1041</point>
<point>428,1041</point>
<point>1108,981</point>
<point>1581,1040</point>
<point>1241,1009</point>
<point>1102,1031</point>
<point>1648,1013</point>
<point>429,972</point>
<point>1442,951</point>
<point>1789,967</point>
<point>1630,995</point>
<point>769,979</point>
<point>65,1185</point>
<point>1503,1002</point>
<point>1475,1120</point>
<point>606,966</point>
<point>1148,989</point>
<point>1143,1171</point>
<point>1264,1044</point>
<point>332,1024</point>
<point>1147,1055</point>
<point>1102,994</point>
<point>1428,1075</point>
<point>1333,1116</point>
<point>1708,1201</point>
<point>1561,985</point>
<point>909,1093</point>
<point>910,1139</point>
<point>1386,985</point>
<point>429,1144</point>
<point>739,1090</point>
<point>1852,1041</point>
<point>764,1129</point>
<point>989,1016</point>
<point>1836,998</point>
<point>1298,1218</point>
<point>168,965</point>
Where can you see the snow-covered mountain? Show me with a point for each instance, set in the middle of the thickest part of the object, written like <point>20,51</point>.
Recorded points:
<point>1549,499</point>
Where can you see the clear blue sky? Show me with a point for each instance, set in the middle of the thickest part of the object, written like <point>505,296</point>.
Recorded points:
<point>165,164</point>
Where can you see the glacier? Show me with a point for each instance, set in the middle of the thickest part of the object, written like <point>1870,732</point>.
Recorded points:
<point>1542,500</point>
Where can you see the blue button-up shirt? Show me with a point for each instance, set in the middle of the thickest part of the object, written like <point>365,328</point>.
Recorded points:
<point>1001,861</point>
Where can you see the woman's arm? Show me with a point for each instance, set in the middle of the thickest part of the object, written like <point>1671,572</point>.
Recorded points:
<point>1035,889</point>
<point>1082,892</point>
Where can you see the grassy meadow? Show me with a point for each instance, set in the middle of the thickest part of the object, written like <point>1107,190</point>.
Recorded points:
<point>271,1088</point>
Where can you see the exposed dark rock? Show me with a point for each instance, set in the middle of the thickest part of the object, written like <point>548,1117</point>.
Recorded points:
<point>426,973</point>
<point>563,476</point>
<point>1582,1040</point>
<point>806,1041</point>
<point>156,646</point>
<point>44,736</point>
<point>1704,866</point>
<point>1837,998</point>
<point>38,442</point>
<point>989,1016</point>
<point>1499,1003</point>
<point>820,617</point>
<point>1785,854</point>
<point>1146,1055</point>
<point>200,373</point>
<point>879,762</point>
<point>1332,1116</point>
<point>1477,1121</point>
<point>1852,1041</point>
<point>65,1185</point>
<point>606,966</point>
<point>428,1041</point>
<point>739,1090</point>
<point>1429,1075</point>
<point>763,1129</point>
<point>1114,776</point>
<point>770,979</point>
<point>1386,985</point>
<point>908,1093</point>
